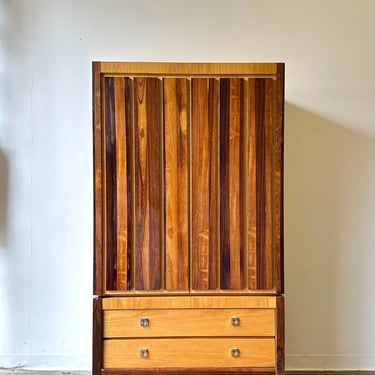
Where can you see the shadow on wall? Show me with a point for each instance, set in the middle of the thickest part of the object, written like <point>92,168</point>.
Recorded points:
<point>3,198</point>
<point>329,242</point>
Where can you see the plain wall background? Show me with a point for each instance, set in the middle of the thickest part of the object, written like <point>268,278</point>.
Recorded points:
<point>46,49</point>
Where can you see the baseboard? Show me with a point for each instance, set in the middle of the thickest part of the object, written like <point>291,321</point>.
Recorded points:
<point>322,362</point>
<point>47,362</point>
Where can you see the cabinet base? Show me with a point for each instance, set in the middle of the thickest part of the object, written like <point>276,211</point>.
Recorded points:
<point>191,371</point>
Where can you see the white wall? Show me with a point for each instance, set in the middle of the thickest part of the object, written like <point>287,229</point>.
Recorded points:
<point>46,49</point>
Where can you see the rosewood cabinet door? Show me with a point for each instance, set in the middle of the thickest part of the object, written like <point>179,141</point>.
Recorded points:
<point>188,179</point>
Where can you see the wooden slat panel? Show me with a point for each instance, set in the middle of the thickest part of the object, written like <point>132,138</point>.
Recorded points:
<point>188,352</point>
<point>156,68</point>
<point>279,187</point>
<point>147,128</point>
<point>204,128</point>
<point>98,180</point>
<point>123,139</point>
<point>251,189</point>
<point>189,302</point>
<point>231,184</point>
<point>190,323</point>
<point>111,184</point>
<point>176,110</point>
<point>264,171</point>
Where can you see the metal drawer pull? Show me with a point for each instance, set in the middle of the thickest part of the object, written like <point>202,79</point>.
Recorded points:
<point>235,352</point>
<point>144,322</point>
<point>143,353</point>
<point>235,321</point>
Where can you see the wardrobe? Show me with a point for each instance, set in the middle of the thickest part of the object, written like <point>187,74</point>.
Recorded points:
<point>188,218</point>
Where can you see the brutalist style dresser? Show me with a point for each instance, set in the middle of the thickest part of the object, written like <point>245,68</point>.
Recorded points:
<point>188,186</point>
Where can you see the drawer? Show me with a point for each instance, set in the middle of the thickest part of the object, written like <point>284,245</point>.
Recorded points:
<point>188,322</point>
<point>188,352</point>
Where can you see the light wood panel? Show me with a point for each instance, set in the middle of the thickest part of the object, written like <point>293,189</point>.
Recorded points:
<point>204,183</point>
<point>213,352</point>
<point>187,69</point>
<point>147,128</point>
<point>193,322</point>
<point>232,253</point>
<point>189,302</point>
<point>176,150</point>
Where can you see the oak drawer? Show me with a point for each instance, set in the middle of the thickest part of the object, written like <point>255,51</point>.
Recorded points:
<point>188,352</point>
<point>185,323</point>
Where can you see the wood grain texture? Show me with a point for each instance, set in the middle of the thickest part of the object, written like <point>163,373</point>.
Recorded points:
<point>204,183</point>
<point>111,184</point>
<point>176,150</point>
<point>147,127</point>
<point>188,352</point>
<point>98,182</point>
<point>279,181</point>
<point>187,69</point>
<point>97,336</point>
<point>251,190</point>
<point>192,371</point>
<point>188,323</point>
<point>190,302</point>
<point>280,335</point>
<point>264,182</point>
<point>123,126</point>
<point>231,186</point>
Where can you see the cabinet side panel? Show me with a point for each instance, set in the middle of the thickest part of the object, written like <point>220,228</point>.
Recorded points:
<point>97,333</point>
<point>176,109</point>
<point>279,184</point>
<point>98,182</point>
<point>204,183</point>
<point>231,183</point>
<point>147,128</point>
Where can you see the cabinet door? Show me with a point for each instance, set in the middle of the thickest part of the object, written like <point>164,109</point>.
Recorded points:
<point>188,178</point>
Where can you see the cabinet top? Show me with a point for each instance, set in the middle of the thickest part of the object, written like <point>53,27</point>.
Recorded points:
<point>168,68</point>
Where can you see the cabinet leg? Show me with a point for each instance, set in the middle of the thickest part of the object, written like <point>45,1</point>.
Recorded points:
<point>97,333</point>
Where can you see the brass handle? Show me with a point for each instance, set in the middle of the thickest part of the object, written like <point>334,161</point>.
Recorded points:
<point>143,353</point>
<point>144,322</point>
<point>235,321</point>
<point>235,352</point>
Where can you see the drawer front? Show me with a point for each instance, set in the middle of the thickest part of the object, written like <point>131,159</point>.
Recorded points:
<point>188,352</point>
<point>186,323</point>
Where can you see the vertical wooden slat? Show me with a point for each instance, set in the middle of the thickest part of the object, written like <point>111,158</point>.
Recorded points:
<point>252,197</point>
<point>231,184</point>
<point>280,335</point>
<point>279,187</point>
<point>204,133</point>
<point>264,181</point>
<point>111,185</point>
<point>97,334</point>
<point>147,128</point>
<point>98,180</point>
<point>123,126</point>
<point>176,109</point>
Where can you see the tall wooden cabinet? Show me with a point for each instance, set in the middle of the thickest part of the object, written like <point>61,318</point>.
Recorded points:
<point>188,185</point>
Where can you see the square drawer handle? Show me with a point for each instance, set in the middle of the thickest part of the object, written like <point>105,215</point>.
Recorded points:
<point>235,352</point>
<point>144,322</point>
<point>235,321</point>
<point>143,353</point>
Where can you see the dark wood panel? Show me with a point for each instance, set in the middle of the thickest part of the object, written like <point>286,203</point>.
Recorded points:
<point>98,182</point>
<point>111,183</point>
<point>264,181</point>
<point>231,183</point>
<point>251,190</point>
<point>176,151</point>
<point>97,334</point>
<point>192,371</point>
<point>279,181</point>
<point>204,183</point>
<point>280,335</point>
<point>147,128</point>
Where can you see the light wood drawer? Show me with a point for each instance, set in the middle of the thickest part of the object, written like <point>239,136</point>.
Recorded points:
<point>188,352</point>
<point>199,322</point>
